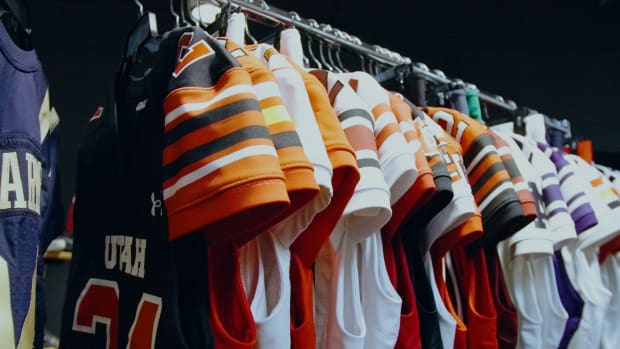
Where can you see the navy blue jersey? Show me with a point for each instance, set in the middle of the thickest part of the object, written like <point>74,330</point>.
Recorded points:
<point>129,285</point>
<point>52,213</point>
<point>22,89</point>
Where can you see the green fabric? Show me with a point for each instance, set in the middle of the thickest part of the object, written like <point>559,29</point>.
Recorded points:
<point>473,104</point>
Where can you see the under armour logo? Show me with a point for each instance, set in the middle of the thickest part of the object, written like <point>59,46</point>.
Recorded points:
<point>156,209</point>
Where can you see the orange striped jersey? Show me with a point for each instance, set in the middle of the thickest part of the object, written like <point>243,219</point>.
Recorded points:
<point>525,196</point>
<point>368,210</point>
<point>463,205</point>
<point>424,187</point>
<point>300,182</point>
<point>443,194</point>
<point>221,169</point>
<point>397,160</point>
<point>494,193</point>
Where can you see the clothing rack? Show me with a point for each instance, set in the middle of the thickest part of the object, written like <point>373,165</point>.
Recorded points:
<point>262,10</point>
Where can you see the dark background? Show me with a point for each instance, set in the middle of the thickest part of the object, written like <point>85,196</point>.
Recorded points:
<point>561,58</point>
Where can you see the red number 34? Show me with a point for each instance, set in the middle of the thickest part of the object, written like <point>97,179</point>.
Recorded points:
<point>98,303</point>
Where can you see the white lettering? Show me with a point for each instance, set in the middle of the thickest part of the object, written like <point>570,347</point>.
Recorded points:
<point>125,257</point>
<point>120,252</point>
<point>110,252</point>
<point>11,181</point>
<point>35,172</point>
<point>139,258</point>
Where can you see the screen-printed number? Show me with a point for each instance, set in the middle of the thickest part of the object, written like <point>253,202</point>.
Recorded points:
<point>99,303</point>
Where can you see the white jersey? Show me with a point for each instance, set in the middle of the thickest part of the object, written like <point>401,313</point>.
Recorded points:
<point>610,271</point>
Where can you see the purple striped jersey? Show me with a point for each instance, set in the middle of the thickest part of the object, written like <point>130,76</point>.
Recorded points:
<point>573,190</point>
<point>604,200</point>
<point>559,219</point>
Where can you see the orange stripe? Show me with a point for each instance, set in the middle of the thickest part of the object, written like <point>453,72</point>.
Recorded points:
<point>596,182</point>
<point>387,131</point>
<point>483,165</point>
<point>379,109</point>
<point>490,184</point>
<point>197,164</point>
<point>192,99</point>
<point>271,102</point>
<point>361,138</point>
<point>247,169</point>
<point>207,134</point>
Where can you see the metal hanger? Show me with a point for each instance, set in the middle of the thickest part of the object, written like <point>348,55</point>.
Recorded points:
<point>144,29</point>
<point>313,58</point>
<point>177,18</point>
<point>140,8</point>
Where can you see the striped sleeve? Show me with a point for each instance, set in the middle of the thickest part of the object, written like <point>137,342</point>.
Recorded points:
<point>603,199</point>
<point>573,190</point>
<point>423,188</point>
<point>558,217</point>
<point>521,187</point>
<point>397,160</point>
<point>297,169</point>
<point>342,158</point>
<point>369,208</point>
<point>490,182</point>
<point>220,166</point>
<point>463,206</point>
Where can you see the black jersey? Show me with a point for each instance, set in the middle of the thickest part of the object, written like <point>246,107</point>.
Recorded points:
<point>130,286</point>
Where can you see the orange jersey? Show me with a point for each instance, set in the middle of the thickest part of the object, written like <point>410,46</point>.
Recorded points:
<point>493,190</point>
<point>220,166</point>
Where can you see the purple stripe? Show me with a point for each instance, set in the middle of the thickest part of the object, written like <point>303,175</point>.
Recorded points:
<point>556,211</point>
<point>552,193</point>
<point>566,176</point>
<point>585,222</point>
<point>548,175</point>
<point>575,197</point>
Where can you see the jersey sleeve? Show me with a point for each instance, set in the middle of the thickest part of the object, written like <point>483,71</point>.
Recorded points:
<point>397,160</point>
<point>493,190</point>
<point>220,167</point>
<point>297,169</point>
<point>369,207</point>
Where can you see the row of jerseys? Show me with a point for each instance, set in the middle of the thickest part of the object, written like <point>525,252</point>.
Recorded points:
<point>227,197</point>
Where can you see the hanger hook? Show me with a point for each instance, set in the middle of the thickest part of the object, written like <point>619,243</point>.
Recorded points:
<point>177,19</point>
<point>140,7</point>
<point>316,62</point>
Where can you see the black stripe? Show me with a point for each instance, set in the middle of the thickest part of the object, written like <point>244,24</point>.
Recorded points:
<point>207,149</point>
<point>507,195</point>
<point>493,169</point>
<point>614,204</point>
<point>286,139</point>
<point>368,163</point>
<point>356,112</point>
<point>512,168</point>
<point>477,145</point>
<point>440,169</point>
<point>210,117</point>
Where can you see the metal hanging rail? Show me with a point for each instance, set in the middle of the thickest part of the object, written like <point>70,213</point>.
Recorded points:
<point>335,36</point>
